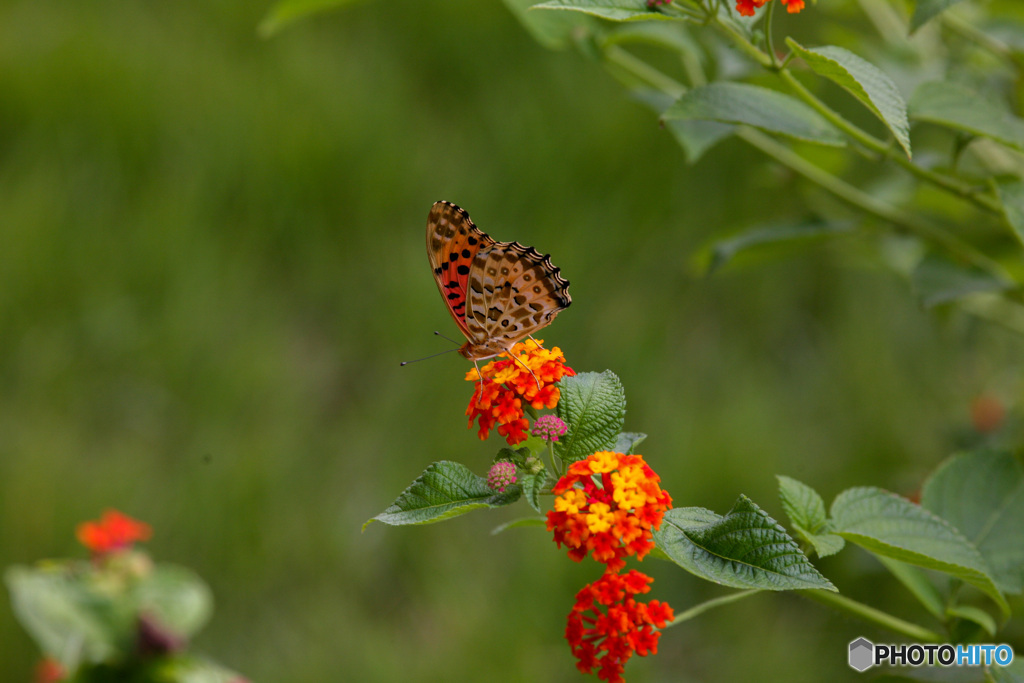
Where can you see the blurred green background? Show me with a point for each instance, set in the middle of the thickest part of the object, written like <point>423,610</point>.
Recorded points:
<point>212,261</point>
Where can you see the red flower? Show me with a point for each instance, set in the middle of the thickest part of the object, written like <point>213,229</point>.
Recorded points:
<point>48,670</point>
<point>114,531</point>
<point>526,376</point>
<point>607,625</point>
<point>746,7</point>
<point>606,506</point>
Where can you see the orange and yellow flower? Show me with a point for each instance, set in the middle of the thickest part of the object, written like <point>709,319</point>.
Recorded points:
<point>606,506</point>
<point>608,625</point>
<point>114,531</point>
<point>527,375</point>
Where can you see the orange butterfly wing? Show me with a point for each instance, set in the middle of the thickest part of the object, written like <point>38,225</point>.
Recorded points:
<point>453,241</point>
<point>497,292</point>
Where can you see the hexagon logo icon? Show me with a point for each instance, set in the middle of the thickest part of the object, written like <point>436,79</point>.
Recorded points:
<point>862,654</point>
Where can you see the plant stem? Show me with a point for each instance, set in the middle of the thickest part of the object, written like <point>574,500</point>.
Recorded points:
<point>909,222</point>
<point>710,604</point>
<point>871,142</point>
<point>768,35</point>
<point>982,39</point>
<point>875,616</point>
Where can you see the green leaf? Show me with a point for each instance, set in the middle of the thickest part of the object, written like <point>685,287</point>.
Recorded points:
<point>445,489</point>
<point>697,137</point>
<point>982,495</point>
<point>191,669</point>
<point>522,522</point>
<point>593,405</point>
<point>937,281</point>
<point>657,33</point>
<point>613,10</point>
<point>806,510</point>
<point>744,549</point>
<point>974,615</point>
<point>863,80</point>
<point>722,251</point>
<point>1011,196</point>
<point>553,30</point>
<point>532,485</point>
<point>957,107</point>
<point>1008,674</point>
<point>66,619</point>
<point>627,441</point>
<point>286,12</point>
<point>177,597</point>
<point>918,584</point>
<point>924,10</point>
<point>886,524</point>
<point>753,105</point>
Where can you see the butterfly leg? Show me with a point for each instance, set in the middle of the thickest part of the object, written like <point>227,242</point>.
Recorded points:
<point>519,360</point>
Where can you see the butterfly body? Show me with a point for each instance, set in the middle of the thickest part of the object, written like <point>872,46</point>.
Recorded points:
<point>498,293</point>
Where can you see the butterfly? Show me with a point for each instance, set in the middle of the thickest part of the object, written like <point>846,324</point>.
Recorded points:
<point>497,292</point>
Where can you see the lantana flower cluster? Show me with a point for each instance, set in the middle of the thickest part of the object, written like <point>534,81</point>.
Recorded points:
<point>606,506</point>
<point>526,376</point>
<point>607,624</point>
<point>112,532</point>
<point>746,7</point>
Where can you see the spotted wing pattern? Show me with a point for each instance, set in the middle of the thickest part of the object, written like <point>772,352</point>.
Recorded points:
<point>497,292</point>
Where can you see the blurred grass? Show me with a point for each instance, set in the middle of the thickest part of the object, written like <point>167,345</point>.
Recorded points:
<point>213,262</point>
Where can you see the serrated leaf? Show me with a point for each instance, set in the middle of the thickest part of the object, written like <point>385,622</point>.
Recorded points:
<point>720,252</point>
<point>627,441</point>
<point>593,405</point>
<point>975,615</point>
<point>982,495</point>
<point>886,524</point>
<point>532,485</point>
<point>445,489</point>
<point>806,511</point>
<point>66,619</point>
<point>746,548</point>
<point>937,281</point>
<point>613,10</point>
<point>1011,196</point>
<point>802,504</point>
<point>863,80</point>
<point>285,12</point>
<point>769,110</point>
<point>917,583</point>
<point>553,30</point>
<point>957,107</point>
<point>519,523</point>
<point>925,10</point>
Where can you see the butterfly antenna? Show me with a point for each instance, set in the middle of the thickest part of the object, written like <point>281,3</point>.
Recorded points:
<point>433,355</point>
<point>444,337</point>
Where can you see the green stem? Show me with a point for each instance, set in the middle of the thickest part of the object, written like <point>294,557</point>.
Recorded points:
<point>982,39</point>
<point>710,604</point>
<point>769,43</point>
<point>909,222</point>
<point>644,71</point>
<point>741,41</point>
<point>875,616</point>
<point>871,142</point>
